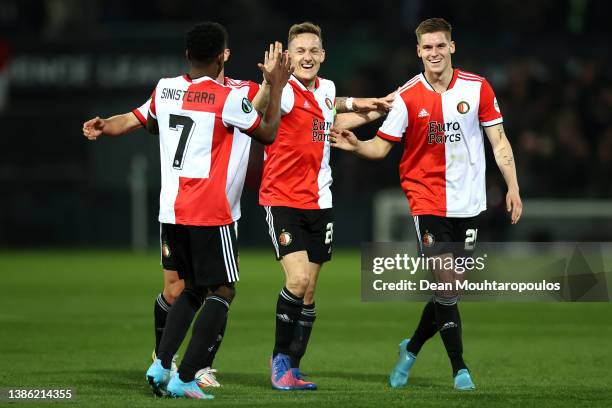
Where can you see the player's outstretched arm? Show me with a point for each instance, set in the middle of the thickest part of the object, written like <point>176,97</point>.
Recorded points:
<point>361,110</point>
<point>114,126</point>
<point>505,161</point>
<point>353,120</point>
<point>277,78</point>
<point>345,104</point>
<point>373,149</point>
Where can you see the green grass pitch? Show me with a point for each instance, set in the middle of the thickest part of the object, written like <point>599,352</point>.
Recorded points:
<point>83,320</point>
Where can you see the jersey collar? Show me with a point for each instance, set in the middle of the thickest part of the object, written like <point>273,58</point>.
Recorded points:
<point>301,85</point>
<point>450,85</point>
<point>187,78</point>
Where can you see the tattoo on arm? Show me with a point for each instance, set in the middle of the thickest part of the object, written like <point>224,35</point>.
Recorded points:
<point>505,157</point>
<point>341,104</point>
<point>501,133</point>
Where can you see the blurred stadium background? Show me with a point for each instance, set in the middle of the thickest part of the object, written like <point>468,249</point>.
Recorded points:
<point>65,61</point>
<point>70,316</point>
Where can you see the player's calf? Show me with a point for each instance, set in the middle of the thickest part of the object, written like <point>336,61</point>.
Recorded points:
<point>288,309</point>
<point>301,334</point>
<point>206,329</point>
<point>448,321</point>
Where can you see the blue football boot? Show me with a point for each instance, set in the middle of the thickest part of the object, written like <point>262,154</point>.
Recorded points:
<point>178,389</point>
<point>158,377</point>
<point>399,374</point>
<point>463,381</point>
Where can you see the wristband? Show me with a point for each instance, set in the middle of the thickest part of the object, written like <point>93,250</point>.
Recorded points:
<point>349,104</point>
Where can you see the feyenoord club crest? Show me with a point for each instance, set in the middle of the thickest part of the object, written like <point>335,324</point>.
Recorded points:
<point>165,250</point>
<point>428,239</point>
<point>463,107</point>
<point>285,238</point>
<point>329,104</point>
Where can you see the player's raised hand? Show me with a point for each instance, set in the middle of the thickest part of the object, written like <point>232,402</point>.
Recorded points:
<point>93,128</point>
<point>343,139</point>
<point>269,60</point>
<point>272,58</point>
<point>286,67</point>
<point>514,206</point>
<point>277,65</point>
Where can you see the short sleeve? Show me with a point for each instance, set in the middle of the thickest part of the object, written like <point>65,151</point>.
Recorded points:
<point>488,110</point>
<point>238,111</point>
<point>253,89</point>
<point>394,127</point>
<point>152,110</point>
<point>142,112</point>
<point>287,99</point>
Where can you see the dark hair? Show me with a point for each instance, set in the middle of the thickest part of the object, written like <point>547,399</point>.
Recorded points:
<point>433,25</point>
<point>204,41</point>
<point>304,28</point>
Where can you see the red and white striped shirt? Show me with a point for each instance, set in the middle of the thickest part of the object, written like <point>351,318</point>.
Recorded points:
<point>296,170</point>
<point>196,120</point>
<point>241,146</point>
<point>442,170</point>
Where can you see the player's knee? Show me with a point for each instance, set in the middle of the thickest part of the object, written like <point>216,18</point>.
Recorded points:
<point>174,290</point>
<point>195,295</point>
<point>309,296</point>
<point>227,291</point>
<point>446,298</point>
<point>169,295</point>
<point>298,283</point>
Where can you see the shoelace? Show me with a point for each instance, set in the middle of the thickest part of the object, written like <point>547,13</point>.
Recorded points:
<point>280,365</point>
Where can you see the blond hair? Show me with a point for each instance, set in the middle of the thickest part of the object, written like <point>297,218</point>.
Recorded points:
<point>304,28</point>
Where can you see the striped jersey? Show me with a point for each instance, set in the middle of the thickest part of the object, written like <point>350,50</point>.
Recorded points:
<point>196,119</point>
<point>241,146</point>
<point>442,170</point>
<point>296,170</point>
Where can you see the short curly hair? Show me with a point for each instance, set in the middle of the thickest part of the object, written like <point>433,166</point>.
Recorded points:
<point>205,41</point>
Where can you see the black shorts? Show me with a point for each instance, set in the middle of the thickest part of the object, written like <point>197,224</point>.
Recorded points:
<point>441,235</point>
<point>294,229</point>
<point>204,256</point>
<point>167,261</point>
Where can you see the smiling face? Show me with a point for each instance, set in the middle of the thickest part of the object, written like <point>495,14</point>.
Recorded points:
<point>307,54</point>
<point>435,50</point>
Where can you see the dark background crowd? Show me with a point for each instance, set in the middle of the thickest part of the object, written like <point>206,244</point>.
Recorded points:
<point>65,61</point>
